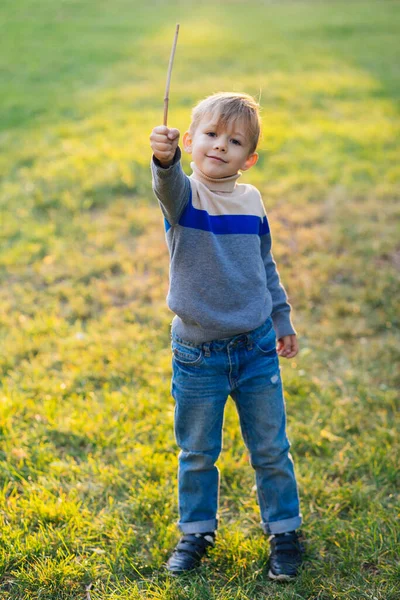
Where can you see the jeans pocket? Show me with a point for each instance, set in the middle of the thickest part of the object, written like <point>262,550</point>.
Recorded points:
<point>267,344</point>
<point>187,355</point>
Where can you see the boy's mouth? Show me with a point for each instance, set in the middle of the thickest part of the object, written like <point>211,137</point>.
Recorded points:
<point>216,158</point>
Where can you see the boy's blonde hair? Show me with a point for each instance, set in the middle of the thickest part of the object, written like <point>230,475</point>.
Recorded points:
<point>228,107</point>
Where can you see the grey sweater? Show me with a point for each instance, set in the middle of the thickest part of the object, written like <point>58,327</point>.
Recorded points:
<point>223,278</point>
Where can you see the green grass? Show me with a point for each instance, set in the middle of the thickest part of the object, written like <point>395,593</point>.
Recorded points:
<point>87,454</point>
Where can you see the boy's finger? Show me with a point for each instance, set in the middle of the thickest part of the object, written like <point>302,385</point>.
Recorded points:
<point>293,349</point>
<point>173,134</point>
<point>287,348</point>
<point>162,144</point>
<point>161,129</point>
<point>161,137</point>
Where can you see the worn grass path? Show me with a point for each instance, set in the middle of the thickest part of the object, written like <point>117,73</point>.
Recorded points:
<point>87,454</point>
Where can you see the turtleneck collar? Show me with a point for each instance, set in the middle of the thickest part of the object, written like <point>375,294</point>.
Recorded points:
<point>225,184</point>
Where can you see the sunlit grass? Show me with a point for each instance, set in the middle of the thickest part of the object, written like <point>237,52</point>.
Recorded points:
<point>87,457</point>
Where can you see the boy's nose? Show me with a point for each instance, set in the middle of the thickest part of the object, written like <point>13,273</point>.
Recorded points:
<point>220,145</point>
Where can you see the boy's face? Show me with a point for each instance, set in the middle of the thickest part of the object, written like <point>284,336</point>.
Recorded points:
<point>220,151</point>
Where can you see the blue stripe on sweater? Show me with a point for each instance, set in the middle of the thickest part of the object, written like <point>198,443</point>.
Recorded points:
<point>220,224</point>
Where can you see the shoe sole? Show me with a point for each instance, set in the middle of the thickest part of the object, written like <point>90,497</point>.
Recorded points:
<point>281,577</point>
<point>182,572</point>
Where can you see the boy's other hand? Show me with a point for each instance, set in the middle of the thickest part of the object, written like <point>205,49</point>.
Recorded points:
<point>163,142</point>
<point>287,346</point>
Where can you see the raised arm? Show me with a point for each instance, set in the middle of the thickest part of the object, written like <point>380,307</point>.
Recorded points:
<point>170,184</point>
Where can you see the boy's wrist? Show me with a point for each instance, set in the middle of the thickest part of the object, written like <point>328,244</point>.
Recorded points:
<point>166,164</point>
<point>282,324</point>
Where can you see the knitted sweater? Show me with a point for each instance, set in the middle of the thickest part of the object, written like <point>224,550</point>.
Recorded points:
<point>223,278</point>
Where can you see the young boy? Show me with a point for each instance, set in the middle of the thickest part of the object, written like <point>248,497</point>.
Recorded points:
<point>230,309</point>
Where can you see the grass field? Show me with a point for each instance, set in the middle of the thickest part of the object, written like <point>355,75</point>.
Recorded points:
<point>87,454</point>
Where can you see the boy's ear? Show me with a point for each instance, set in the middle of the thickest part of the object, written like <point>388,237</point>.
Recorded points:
<point>187,142</point>
<point>249,162</point>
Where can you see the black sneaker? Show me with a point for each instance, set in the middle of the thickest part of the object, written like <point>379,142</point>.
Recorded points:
<point>286,556</point>
<point>189,551</point>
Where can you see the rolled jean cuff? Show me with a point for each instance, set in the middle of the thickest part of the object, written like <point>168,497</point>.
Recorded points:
<point>282,526</point>
<point>198,526</point>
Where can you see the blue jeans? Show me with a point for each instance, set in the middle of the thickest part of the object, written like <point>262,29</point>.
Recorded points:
<point>246,367</point>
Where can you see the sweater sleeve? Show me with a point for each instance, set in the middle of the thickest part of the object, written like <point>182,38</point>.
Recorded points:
<point>280,306</point>
<point>171,187</point>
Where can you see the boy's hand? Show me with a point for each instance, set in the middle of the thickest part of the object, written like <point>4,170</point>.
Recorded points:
<point>287,346</point>
<point>164,142</point>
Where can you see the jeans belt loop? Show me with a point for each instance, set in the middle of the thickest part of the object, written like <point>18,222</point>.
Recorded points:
<point>249,343</point>
<point>206,348</point>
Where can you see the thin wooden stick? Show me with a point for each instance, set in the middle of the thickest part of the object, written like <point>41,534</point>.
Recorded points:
<point>171,61</point>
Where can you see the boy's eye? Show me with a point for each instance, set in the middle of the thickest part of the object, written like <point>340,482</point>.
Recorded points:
<point>236,142</point>
<point>210,133</point>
